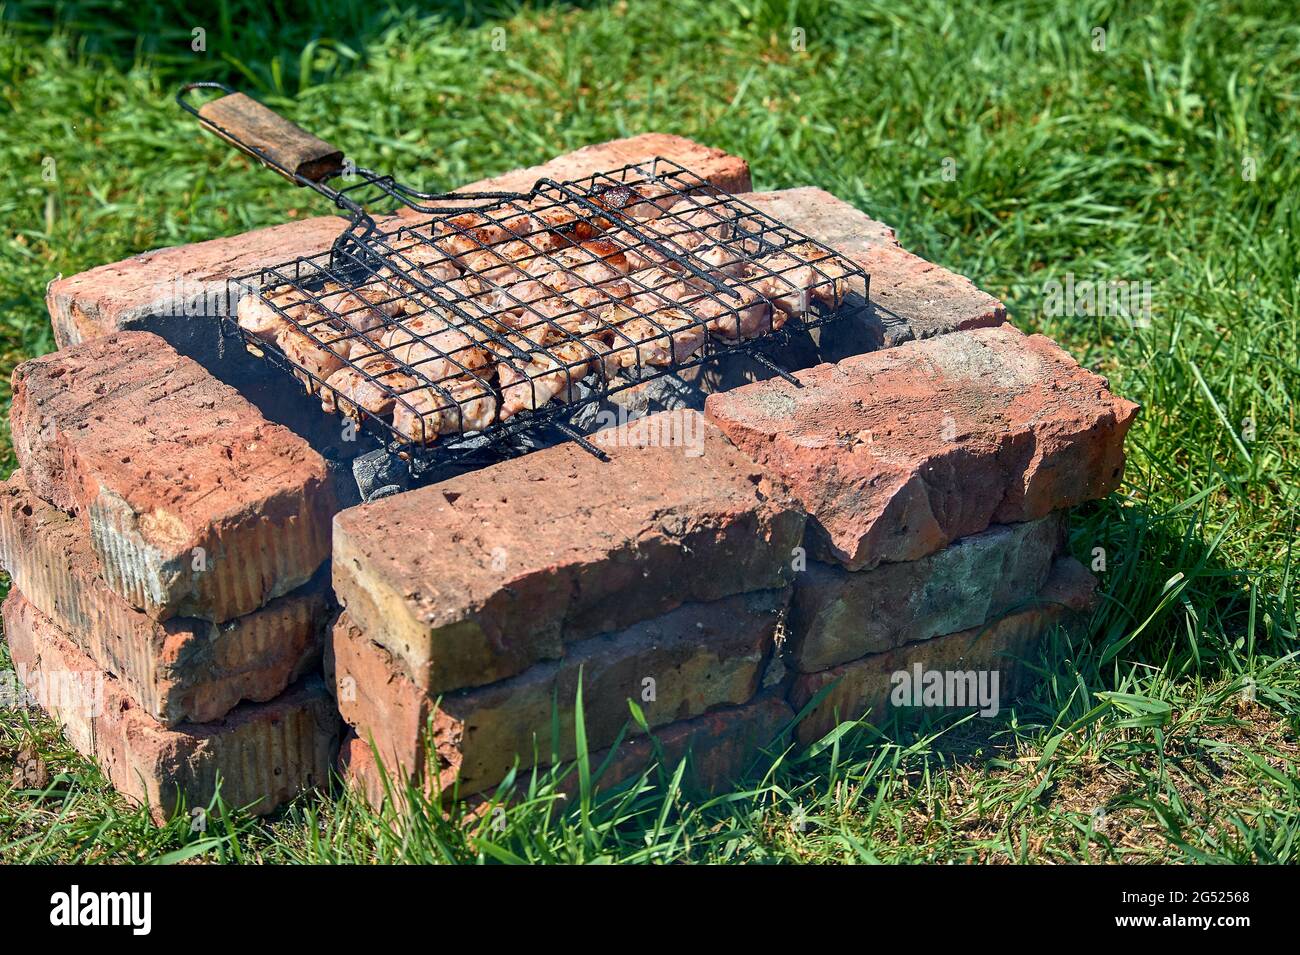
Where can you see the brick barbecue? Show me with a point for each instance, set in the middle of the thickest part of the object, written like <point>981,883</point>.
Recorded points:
<point>206,588</point>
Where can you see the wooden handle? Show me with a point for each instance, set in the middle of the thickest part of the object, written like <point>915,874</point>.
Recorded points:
<point>245,122</point>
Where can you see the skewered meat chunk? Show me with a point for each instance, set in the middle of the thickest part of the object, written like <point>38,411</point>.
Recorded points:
<point>640,254</point>
<point>482,302</point>
<point>547,226</point>
<point>591,262</point>
<point>360,310</point>
<point>684,228</point>
<point>618,197</point>
<point>510,263</point>
<point>260,319</point>
<point>722,260</point>
<point>422,262</point>
<point>363,309</point>
<point>468,404</point>
<point>644,201</point>
<point>575,313</point>
<point>708,215</point>
<point>654,288</point>
<point>540,231</point>
<point>317,356</point>
<point>567,226</point>
<point>338,326</point>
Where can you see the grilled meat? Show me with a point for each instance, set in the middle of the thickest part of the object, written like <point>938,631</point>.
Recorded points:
<point>548,374</point>
<point>463,404</point>
<point>260,319</point>
<point>789,283</point>
<point>729,317</point>
<point>371,386</point>
<point>670,335</point>
<point>316,357</point>
<point>591,262</point>
<point>433,347</point>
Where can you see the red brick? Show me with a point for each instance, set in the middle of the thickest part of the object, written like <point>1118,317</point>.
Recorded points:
<point>722,169</point>
<point>837,615</point>
<point>134,292</point>
<point>897,453</point>
<point>264,754</point>
<point>699,656</point>
<point>861,689</point>
<point>719,748</point>
<point>157,458</point>
<point>184,670</point>
<point>910,297</point>
<point>471,580</point>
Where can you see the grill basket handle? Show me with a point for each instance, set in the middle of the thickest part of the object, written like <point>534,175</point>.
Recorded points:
<point>265,135</point>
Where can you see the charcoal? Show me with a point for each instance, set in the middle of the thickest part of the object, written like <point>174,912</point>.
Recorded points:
<point>379,469</point>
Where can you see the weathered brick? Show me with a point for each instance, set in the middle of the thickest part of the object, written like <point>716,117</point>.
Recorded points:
<point>183,670</point>
<point>861,689</point>
<point>837,615</point>
<point>472,580</point>
<point>699,656</point>
<point>157,459</point>
<point>719,747</point>
<point>720,168</point>
<point>897,453</point>
<point>143,291</point>
<point>263,754</point>
<point>910,297</point>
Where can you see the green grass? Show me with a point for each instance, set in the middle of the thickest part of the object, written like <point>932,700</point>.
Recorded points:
<point>1168,734</point>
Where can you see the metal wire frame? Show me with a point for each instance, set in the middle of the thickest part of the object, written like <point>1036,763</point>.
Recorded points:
<point>584,231</point>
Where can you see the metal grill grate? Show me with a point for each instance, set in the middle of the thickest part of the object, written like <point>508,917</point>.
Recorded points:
<point>510,317</point>
<point>502,312</point>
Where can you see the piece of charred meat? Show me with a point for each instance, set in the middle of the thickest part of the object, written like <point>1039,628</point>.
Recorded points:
<point>457,405</point>
<point>372,386</point>
<point>798,273</point>
<point>550,372</point>
<point>668,336</point>
<point>434,347</point>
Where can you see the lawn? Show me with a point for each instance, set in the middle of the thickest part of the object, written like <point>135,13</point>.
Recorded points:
<point>1011,142</point>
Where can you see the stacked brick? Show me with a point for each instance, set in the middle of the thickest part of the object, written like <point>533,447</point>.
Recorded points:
<point>477,607</point>
<point>167,547</point>
<point>790,553</point>
<point>728,580</point>
<point>935,476</point>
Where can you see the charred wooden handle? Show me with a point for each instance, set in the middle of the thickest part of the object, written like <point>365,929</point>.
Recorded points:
<point>244,122</point>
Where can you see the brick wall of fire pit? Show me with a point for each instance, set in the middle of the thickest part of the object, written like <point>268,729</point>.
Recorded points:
<point>194,599</point>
